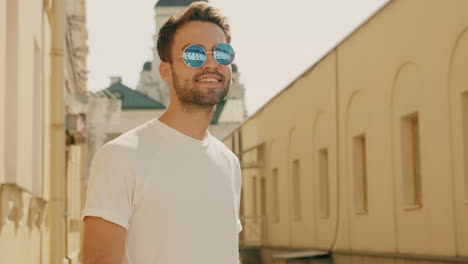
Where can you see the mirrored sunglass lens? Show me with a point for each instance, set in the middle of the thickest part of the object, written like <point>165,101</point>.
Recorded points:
<point>224,54</point>
<point>194,56</point>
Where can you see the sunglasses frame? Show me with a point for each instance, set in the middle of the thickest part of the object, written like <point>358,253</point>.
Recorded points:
<point>206,53</point>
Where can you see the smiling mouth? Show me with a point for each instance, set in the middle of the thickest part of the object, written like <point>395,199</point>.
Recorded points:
<point>208,80</point>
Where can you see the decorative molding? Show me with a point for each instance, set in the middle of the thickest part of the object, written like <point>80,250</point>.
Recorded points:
<point>11,204</point>
<point>37,210</point>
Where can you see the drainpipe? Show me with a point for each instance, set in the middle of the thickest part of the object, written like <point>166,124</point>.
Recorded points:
<point>57,118</point>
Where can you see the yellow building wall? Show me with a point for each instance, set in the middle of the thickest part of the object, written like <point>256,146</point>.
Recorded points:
<point>24,243</point>
<point>11,55</point>
<point>297,134</point>
<point>395,65</point>
<point>20,244</point>
<point>47,102</point>
<point>411,57</point>
<point>76,169</point>
<point>46,179</point>
<point>458,118</point>
<point>29,101</point>
<point>2,88</point>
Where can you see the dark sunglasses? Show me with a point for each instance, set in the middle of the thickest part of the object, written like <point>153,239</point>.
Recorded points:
<point>195,55</point>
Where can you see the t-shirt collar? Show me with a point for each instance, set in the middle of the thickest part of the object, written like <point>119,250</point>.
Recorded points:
<point>181,136</point>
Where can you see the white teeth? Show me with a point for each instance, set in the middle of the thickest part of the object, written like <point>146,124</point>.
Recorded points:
<point>208,80</point>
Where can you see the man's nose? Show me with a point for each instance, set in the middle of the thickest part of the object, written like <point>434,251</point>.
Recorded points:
<point>210,62</point>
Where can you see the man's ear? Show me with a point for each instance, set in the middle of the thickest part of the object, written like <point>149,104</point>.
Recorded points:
<point>165,71</point>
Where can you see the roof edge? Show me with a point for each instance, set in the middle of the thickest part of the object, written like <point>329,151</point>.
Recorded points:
<point>320,58</point>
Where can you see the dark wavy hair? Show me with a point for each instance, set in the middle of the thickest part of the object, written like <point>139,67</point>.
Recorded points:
<point>197,11</point>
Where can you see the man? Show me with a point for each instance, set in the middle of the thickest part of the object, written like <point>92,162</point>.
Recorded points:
<point>167,191</point>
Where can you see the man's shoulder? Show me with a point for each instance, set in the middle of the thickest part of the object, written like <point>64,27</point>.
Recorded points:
<point>118,150</point>
<point>130,143</point>
<point>227,151</point>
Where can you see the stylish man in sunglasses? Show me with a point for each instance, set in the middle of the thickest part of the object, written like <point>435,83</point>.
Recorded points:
<point>167,191</point>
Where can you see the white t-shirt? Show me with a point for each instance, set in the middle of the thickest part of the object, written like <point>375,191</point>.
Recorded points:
<point>177,197</point>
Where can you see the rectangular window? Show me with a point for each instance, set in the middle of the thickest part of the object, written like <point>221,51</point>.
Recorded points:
<point>296,190</point>
<point>263,196</point>
<point>324,186</point>
<point>465,139</point>
<point>241,209</point>
<point>254,196</point>
<point>360,174</point>
<point>239,142</point>
<point>261,155</point>
<point>411,161</point>
<point>234,149</point>
<point>276,216</point>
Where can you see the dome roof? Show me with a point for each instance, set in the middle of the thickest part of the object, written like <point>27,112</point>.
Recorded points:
<point>147,66</point>
<point>176,2</point>
<point>234,67</point>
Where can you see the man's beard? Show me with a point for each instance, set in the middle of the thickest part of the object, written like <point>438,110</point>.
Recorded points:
<point>189,93</point>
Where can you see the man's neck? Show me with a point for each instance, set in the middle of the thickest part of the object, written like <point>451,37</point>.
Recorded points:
<point>190,120</point>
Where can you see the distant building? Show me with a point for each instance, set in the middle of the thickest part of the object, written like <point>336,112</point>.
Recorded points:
<point>136,108</point>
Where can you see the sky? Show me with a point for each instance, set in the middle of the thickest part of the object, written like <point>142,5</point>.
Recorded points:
<point>275,41</point>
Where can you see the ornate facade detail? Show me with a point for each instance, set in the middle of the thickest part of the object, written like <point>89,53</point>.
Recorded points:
<point>11,204</point>
<point>37,211</point>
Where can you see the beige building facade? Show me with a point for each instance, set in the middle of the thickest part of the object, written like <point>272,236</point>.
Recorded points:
<point>365,154</point>
<point>42,159</point>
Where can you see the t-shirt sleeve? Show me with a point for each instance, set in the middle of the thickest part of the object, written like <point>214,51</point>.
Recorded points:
<point>238,181</point>
<point>110,187</point>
